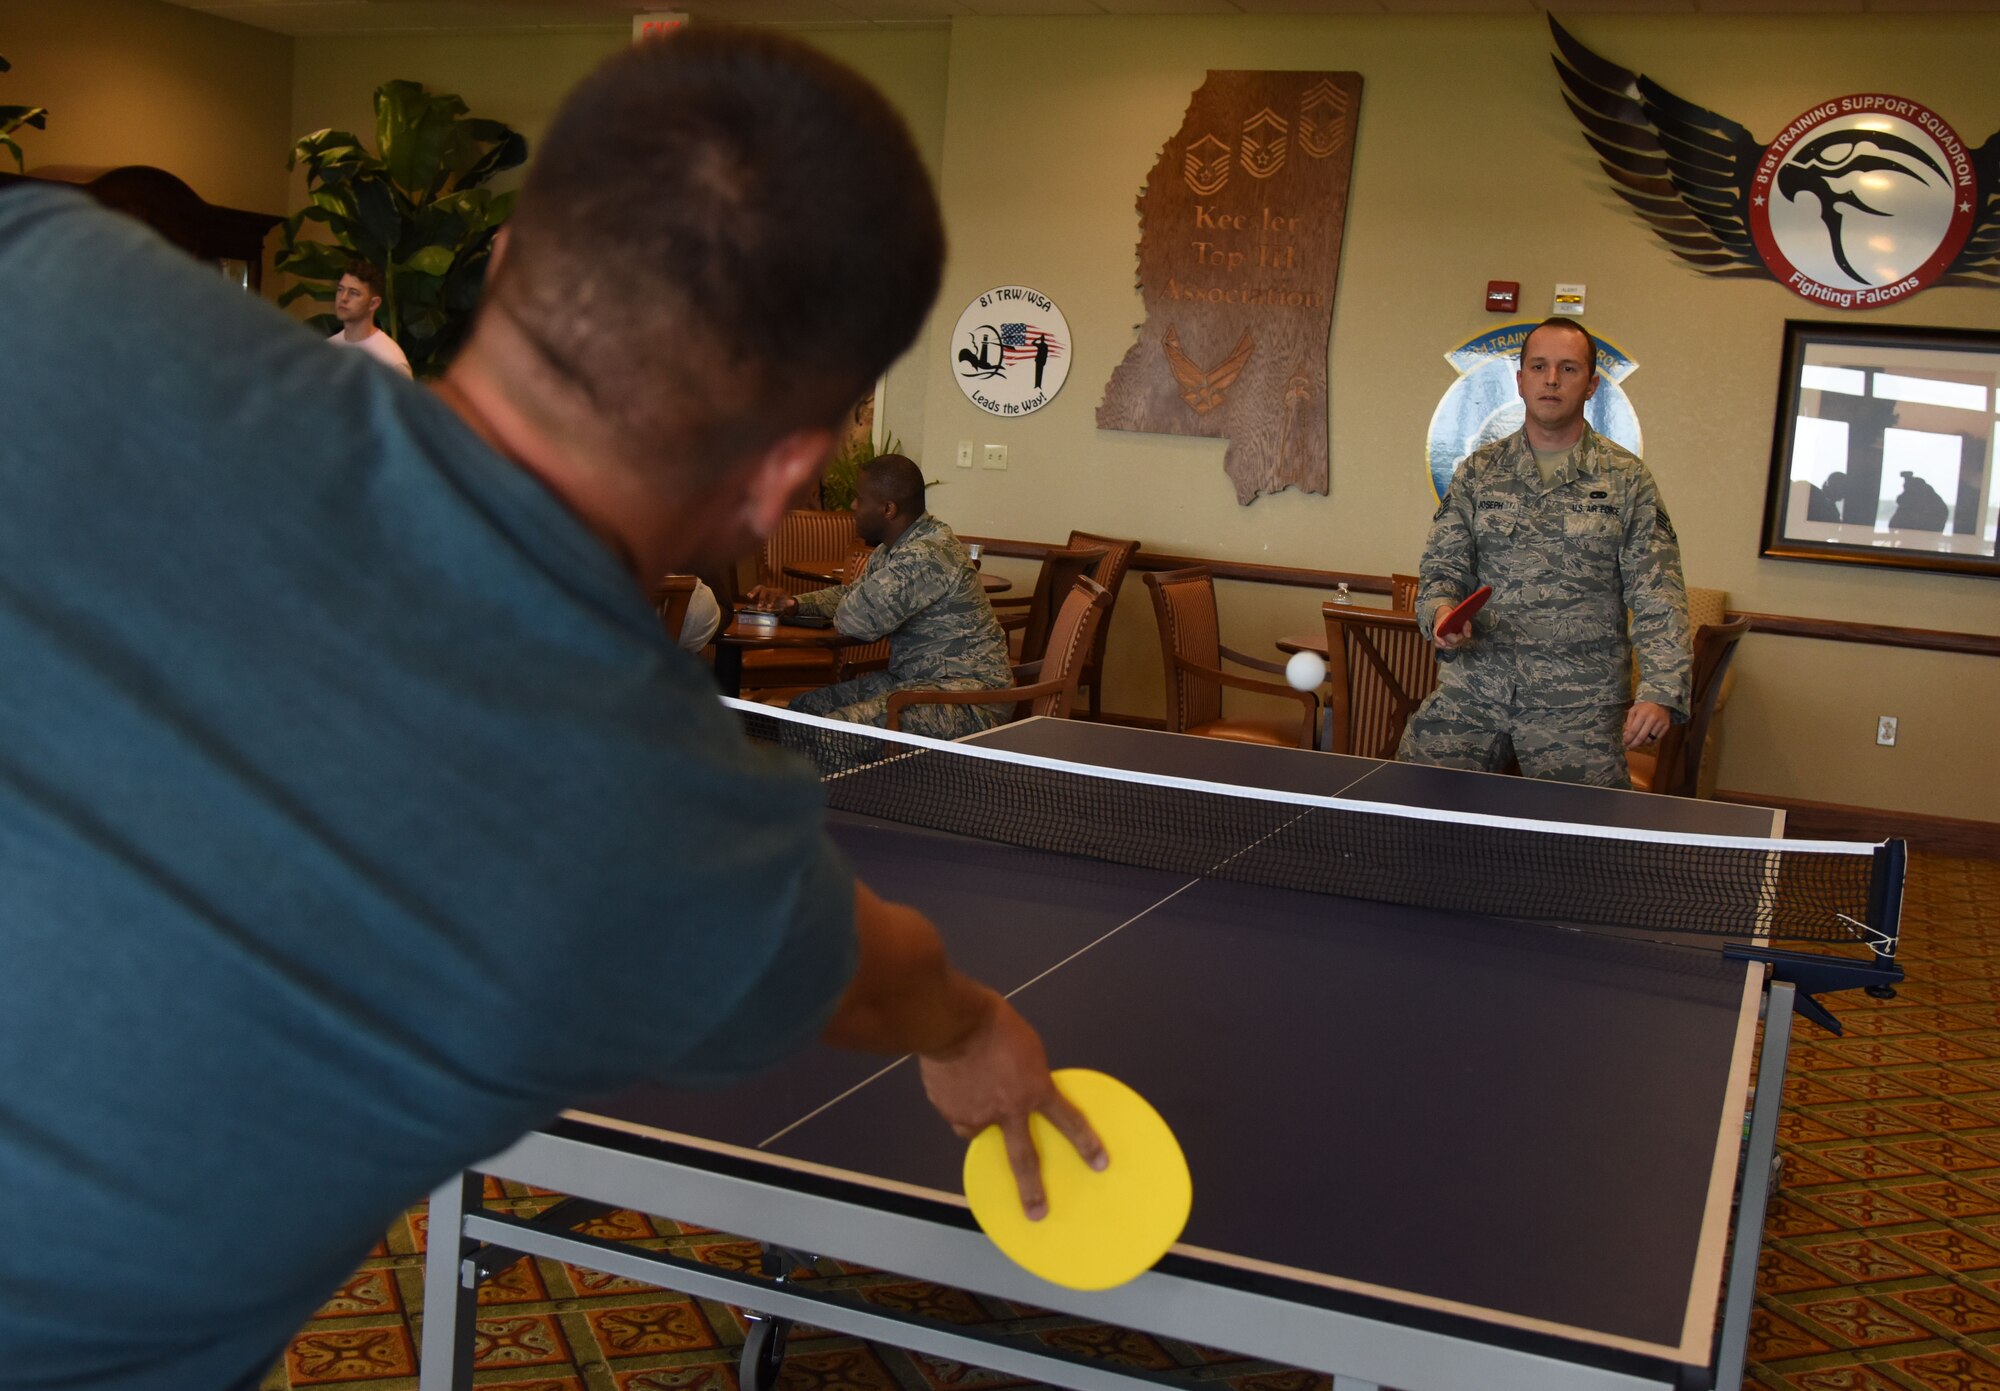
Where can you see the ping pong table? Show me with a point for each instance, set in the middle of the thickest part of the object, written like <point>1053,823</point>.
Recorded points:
<point>1431,1150</point>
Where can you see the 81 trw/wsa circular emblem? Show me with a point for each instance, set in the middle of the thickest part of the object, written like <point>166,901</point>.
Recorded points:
<point>1862,201</point>
<point>1010,352</point>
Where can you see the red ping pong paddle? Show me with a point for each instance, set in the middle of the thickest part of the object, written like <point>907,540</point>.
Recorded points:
<point>1460,614</point>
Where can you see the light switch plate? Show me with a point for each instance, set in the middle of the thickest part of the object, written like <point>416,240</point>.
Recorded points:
<point>995,457</point>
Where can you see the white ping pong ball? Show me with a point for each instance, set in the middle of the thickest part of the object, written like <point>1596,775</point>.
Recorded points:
<point>1305,671</point>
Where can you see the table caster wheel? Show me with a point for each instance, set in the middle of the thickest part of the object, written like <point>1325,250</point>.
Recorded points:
<point>763,1353</point>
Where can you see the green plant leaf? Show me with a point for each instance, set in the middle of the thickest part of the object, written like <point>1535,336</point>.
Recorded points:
<point>418,132</point>
<point>425,322</point>
<point>478,209</point>
<point>419,291</point>
<point>307,289</point>
<point>432,226</point>
<point>508,151</point>
<point>501,208</point>
<point>334,197</point>
<point>432,260</point>
<point>316,260</point>
<point>381,224</point>
<point>324,150</point>
<point>12,118</point>
<point>343,227</point>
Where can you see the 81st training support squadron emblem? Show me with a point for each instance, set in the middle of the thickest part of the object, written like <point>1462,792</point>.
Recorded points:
<point>1861,201</point>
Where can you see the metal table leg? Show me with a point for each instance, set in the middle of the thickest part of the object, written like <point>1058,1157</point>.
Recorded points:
<point>451,1288</point>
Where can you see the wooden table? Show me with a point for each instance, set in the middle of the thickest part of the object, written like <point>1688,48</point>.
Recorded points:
<point>732,641</point>
<point>829,574</point>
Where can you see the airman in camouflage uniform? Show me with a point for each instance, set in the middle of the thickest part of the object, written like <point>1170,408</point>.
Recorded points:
<point>1570,543</point>
<point>918,590</point>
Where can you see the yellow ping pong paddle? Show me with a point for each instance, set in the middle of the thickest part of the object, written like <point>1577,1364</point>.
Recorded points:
<point>1103,1227</point>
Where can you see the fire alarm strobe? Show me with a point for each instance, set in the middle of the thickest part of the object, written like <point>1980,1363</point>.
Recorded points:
<point>1503,296</point>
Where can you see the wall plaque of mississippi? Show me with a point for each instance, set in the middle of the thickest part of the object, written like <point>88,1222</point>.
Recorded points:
<point>1239,249</point>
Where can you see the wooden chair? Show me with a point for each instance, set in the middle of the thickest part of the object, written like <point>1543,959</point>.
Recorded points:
<point>1380,667</point>
<point>1673,766</point>
<point>1403,593</point>
<point>1110,573</point>
<point>1707,608</point>
<point>1047,687</point>
<point>1192,654</point>
<point>1033,616</point>
<point>671,596</point>
<point>805,536</point>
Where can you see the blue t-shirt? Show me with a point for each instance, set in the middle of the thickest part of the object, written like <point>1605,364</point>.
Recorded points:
<point>355,815</point>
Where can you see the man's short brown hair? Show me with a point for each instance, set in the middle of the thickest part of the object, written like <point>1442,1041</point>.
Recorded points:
<point>1564,321</point>
<point>725,236</point>
<point>368,273</point>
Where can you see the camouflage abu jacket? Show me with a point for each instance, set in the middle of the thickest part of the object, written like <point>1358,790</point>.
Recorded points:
<point>923,595</point>
<point>1566,561</point>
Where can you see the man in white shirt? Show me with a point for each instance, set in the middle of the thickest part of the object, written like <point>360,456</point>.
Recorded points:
<point>702,620</point>
<point>355,301</point>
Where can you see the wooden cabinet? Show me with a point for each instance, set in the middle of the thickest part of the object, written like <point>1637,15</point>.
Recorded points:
<point>230,238</point>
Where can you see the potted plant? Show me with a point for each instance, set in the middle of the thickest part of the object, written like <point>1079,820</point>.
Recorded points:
<point>416,209</point>
<point>12,118</point>
<point>843,470</point>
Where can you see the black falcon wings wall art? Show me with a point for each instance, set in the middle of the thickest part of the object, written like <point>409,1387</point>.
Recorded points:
<point>1862,201</point>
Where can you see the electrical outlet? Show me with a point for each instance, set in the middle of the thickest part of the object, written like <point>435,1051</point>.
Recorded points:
<point>965,453</point>
<point>1885,731</point>
<point>996,456</point>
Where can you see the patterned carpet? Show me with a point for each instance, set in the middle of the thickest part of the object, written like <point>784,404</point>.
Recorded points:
<point>1881,1265</point>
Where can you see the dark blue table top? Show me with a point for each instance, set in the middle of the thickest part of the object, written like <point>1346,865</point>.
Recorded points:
<point>1499,1115</point>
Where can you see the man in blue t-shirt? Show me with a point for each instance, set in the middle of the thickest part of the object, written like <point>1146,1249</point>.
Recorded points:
<point>354,809</point>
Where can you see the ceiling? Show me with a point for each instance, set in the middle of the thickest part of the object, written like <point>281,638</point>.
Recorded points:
<point>302,18</point>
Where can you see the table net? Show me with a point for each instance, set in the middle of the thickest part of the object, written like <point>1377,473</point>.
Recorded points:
<point>1579,875</point>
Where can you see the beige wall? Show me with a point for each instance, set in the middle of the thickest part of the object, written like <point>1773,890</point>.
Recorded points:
<point>1468,168</point>
<point>522,78</point>
<point>141,82</point>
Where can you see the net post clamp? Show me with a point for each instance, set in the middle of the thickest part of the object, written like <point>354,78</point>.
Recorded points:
<point>1812,973</point>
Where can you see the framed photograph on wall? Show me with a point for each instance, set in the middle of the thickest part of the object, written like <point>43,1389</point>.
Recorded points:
<point>1883,452</point>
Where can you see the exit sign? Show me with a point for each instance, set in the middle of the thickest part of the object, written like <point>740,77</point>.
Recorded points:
<point>658,25</point>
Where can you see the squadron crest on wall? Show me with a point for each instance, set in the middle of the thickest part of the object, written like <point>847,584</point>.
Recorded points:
<point>1861,201</point>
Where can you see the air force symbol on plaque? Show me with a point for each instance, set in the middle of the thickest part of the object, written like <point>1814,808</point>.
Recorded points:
<point>1862,201</point>
<point>1010,351</point>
